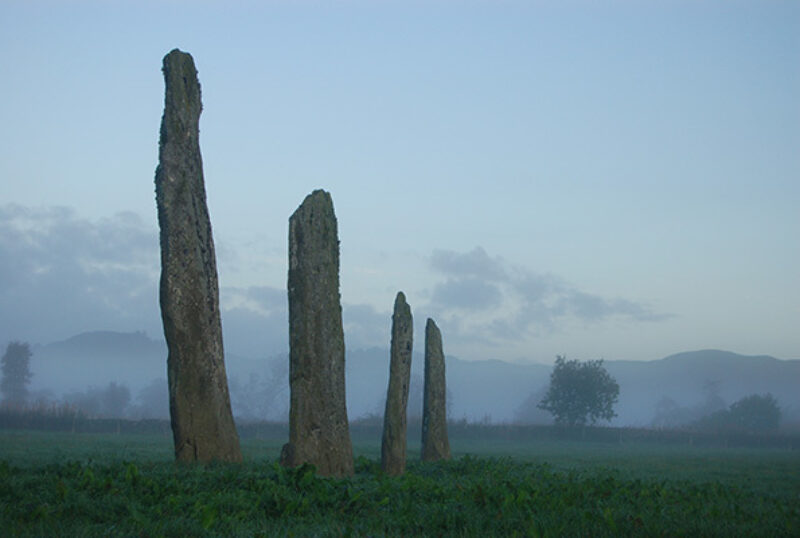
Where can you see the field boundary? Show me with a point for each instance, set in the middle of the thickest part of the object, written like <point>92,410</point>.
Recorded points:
<point>65,419</point>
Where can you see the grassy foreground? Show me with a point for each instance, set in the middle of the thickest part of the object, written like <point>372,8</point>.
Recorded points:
<point>127,485</point>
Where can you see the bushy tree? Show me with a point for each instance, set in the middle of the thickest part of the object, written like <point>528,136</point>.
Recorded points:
<point>108,402</point>
<point>580,392</point>
<point>671,415</point>
<point>115,399</point>
<point>756,413</point>
<point>16,373</point>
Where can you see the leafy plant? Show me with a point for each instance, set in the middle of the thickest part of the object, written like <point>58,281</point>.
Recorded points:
<point>580,392</point>
<point>752,414</point>
<point>469,496</point>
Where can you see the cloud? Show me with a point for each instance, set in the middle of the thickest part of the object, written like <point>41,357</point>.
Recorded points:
<point>262,299</point>
<point>255,320</point>
<point>475,263</point>
<point>487,300</point>
<point>61,274</point>
<point>594,308</point>
<point>467,293</point>
<point>365,327</point>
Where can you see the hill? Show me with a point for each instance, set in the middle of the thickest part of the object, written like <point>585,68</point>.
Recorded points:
<point>97,358</point>
<point>675,388</point>
<point>694,383</point>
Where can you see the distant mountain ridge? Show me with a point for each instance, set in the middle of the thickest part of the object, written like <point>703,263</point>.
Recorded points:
<point>97,358</point>
<point>694,377</point>
<point>117,343</point>
<point>491,389</point>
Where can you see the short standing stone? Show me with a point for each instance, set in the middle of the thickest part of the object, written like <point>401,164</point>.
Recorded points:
<point>393,445</point>
<point>199,403</point>
<point>318,429</point>
<point>435,445</point>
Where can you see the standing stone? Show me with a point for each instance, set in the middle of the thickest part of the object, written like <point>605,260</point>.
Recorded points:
<point>199,403</point>
<point>318,429</point>
<point>435,445</point>
<point>393,445</point>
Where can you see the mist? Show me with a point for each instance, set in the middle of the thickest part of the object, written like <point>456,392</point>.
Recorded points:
<point>123,375</point>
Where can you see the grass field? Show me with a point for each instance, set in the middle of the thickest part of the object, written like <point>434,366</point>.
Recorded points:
<point>127,485</point>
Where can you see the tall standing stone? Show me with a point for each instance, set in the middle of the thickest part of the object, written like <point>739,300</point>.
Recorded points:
<point>393,445</point>
<point>199,403</point>
<point>318,429</point>
<point>435,445</point>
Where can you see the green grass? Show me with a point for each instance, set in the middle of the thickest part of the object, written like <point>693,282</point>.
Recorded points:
<point>763,469</point>
<point>124,485</point>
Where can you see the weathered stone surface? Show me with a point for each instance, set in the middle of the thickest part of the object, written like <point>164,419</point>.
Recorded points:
<point>200,408</point>
<point>435,444</point>
<point>393,445</point>
<point>318,429</point>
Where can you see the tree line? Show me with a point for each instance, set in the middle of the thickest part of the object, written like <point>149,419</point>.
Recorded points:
<point>579,394</point>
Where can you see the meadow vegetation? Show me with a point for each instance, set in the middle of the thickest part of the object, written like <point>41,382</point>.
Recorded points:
<point>128,484</point>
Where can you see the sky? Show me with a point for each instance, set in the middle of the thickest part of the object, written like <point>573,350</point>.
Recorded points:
<point>615,180</point>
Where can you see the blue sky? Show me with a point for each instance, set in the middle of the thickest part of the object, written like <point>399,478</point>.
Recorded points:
<point>600,179</point>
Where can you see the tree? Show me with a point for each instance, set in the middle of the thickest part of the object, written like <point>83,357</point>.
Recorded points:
<point>754,414</point>
<point>16,373</point>
<point>580,392</point>
<point>109,402</point>
<point>115,399</point>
